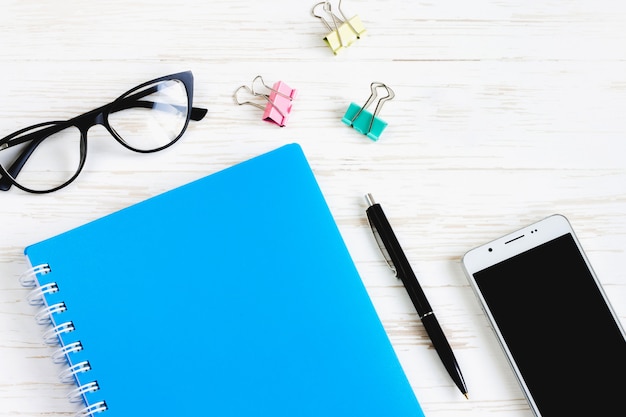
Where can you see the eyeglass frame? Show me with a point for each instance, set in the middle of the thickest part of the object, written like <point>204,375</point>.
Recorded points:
<point>84,122</point>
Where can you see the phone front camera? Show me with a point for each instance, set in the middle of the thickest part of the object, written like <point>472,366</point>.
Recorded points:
<point>490,250</point>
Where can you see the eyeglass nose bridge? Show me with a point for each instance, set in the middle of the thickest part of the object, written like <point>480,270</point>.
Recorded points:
<point>86,121</point>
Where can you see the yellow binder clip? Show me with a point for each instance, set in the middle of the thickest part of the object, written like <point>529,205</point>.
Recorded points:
<point>343,32</point>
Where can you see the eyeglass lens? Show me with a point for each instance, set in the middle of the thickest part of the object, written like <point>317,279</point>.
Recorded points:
<point>152,117</point>
<point>52,162</point>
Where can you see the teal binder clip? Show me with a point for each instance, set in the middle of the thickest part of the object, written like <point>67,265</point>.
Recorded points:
<point>364,121</point>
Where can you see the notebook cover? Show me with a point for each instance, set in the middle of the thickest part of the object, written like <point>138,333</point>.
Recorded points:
<point>233,295</point>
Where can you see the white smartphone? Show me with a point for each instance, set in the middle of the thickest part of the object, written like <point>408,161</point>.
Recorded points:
<point>553,320</point>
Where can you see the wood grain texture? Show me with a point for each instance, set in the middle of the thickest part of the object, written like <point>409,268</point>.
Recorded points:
<point>505,112</point>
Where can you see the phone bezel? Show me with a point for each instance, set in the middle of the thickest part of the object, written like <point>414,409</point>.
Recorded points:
<point>512,244</point>
<point>519,241</point>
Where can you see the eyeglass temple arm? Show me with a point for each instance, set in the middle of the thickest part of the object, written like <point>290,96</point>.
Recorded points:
<point>35,138</point>
<point>197,113</point>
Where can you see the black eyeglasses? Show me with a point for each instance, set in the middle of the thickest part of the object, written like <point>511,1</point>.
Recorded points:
<point>148,118</point>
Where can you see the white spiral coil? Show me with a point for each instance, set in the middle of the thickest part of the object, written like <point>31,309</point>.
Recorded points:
<point>92,409</point>
<point>29,278</point>
<point>68,375</point>
<point>60,355</point>
<point>36,296</point>
<point>44,315</point>
<point>76,395</point>
<point>54,336</point>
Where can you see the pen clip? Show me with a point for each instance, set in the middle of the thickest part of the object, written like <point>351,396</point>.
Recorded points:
<point>382,248</point>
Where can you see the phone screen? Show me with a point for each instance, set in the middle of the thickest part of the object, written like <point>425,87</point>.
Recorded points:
<point>559,329</point>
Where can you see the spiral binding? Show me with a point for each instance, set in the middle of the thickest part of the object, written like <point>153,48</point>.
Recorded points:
<point>53,337</point>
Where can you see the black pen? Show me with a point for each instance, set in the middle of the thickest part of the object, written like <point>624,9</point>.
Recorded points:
<point>398,262</point>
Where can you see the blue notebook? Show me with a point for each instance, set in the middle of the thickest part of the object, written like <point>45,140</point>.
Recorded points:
<point>233,295</point>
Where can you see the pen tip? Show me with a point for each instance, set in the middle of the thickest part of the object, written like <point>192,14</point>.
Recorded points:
<point>466,396</point>
<point>369,199</point>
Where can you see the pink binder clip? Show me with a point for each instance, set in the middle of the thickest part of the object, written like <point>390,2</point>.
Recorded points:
<point>278,106</point>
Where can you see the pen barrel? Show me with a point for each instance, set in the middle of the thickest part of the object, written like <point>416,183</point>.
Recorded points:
<point>416,294</point>
<point>441,345</point>
<point>391,245</point>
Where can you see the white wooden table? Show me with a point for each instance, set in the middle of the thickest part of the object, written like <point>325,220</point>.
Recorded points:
<point>505,112</point>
